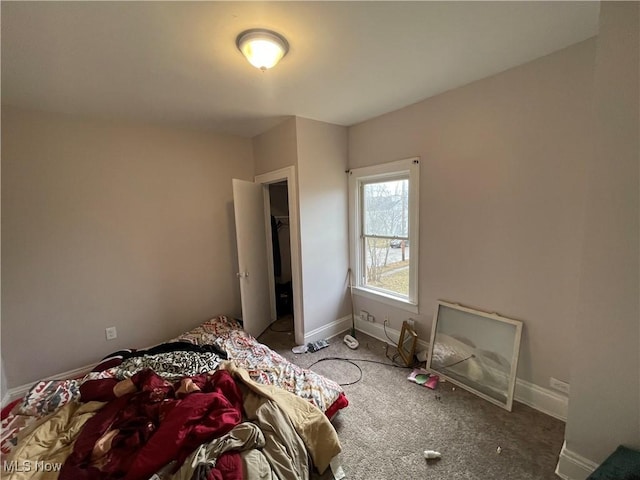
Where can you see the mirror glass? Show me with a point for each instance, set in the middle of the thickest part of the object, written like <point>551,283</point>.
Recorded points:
<point>407,343</point>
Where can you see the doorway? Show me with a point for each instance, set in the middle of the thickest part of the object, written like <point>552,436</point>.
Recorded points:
<point>283,249</point>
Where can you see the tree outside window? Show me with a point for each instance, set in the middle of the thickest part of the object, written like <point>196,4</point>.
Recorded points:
<point>385,224</point>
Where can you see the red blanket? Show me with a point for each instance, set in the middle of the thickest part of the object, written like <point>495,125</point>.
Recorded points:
<point>152,426</point>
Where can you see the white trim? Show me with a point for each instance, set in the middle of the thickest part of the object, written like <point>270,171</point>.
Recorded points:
<point>410,166</point>
<point>289,174</point>
<point>18,392</point>
<point>377,331</point>
<point>266,199</point>
<point>329,330</point>
<point>542,399</point>
<point>572,466</point>
<point>386,299</point>
<point>384,169</point>
<point>534,396</point>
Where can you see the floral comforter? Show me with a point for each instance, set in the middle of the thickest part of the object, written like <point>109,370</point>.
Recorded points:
<point>263,364</point>
<point>221,334</point>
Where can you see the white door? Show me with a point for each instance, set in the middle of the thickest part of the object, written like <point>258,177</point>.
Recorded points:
<point>248,200</point>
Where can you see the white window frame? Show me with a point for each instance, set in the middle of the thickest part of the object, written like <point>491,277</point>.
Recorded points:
<point>357,177</point>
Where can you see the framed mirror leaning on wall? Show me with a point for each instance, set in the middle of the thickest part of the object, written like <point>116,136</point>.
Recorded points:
<point>476,350</point>
<point>407,343</point>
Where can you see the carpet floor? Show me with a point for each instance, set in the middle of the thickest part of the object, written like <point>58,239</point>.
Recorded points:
<point>390,421</point>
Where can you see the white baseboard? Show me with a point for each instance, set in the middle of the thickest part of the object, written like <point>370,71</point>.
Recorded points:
<point>377,331</point>
<point>572,466</point>
<point>542,399</point>
<point>329,330</point>
<point>19,392</point>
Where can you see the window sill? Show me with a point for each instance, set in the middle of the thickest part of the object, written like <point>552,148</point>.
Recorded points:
<point>386,299</point>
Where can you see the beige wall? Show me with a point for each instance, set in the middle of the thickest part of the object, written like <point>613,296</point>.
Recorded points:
<point>111,225</point>
<point>276,148</point>
<point>501,198</point>
<point>3,381</point>
<point>604,408</point>
<point>322,182</point>
<point>318,150</point>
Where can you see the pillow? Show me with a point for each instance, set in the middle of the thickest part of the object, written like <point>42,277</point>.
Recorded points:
<point>211,332</point>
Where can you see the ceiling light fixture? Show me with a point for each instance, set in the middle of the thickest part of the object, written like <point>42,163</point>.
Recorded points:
<point>263,48</point>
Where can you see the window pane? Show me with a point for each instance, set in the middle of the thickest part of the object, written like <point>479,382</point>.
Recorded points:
<point>387,267</point>
<point>386,208</point>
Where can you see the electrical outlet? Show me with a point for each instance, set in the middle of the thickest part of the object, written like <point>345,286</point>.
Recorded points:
<point>411,322</point>
<point>364,315</point>
<point>559,385</point>
<point>371,318</point>
<point>111,333</point>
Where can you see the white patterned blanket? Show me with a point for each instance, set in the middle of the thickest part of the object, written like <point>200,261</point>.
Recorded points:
<point>263,364</point>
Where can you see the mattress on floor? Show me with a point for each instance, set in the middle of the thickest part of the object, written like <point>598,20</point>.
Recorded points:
<point>265,365</point>
<point>216,340</point>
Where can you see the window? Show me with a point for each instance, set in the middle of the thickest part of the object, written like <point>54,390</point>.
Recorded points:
<point>383,204</point>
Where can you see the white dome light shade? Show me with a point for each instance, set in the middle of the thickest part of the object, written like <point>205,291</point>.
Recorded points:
<point>263,48</point>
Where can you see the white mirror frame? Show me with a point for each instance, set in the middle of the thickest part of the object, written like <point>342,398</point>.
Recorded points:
<point>478,354</point>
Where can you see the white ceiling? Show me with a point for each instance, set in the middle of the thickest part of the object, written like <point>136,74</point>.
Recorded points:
<point>177,62</point>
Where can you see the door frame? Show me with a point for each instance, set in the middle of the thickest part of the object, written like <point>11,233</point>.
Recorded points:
<point>288,174</point>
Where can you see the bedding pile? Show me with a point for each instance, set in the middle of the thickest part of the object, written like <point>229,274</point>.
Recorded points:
<point>212,403</point>
<point>266,366</point>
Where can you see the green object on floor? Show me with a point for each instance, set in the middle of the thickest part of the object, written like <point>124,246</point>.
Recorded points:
<point>623,464</point>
